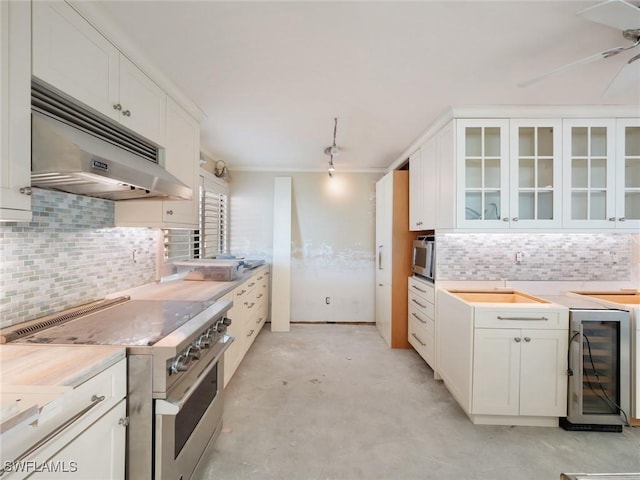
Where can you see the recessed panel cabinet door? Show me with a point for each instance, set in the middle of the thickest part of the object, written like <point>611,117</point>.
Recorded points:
<point>143,103</point>
<point>496,372</point>
<point>70,55</point>
<point>543,375</point>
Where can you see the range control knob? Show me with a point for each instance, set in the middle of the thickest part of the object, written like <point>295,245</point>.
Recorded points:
<point>192,353</point>
<point>221,327</point>
<point>180,364</point>
<point>204,341</point>
<point>226,321</point>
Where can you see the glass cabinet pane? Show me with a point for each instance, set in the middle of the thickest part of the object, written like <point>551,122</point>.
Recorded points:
<point>473,206</point>
<point>526,141</point>
<point>632,173</point>
<point>545,141</point>
<point>473,173</point>
<point>598,141</point>
<point>492,173</point>
<point>598,173</point>
<point>492,142</point>
<point>545,206</point>
<point>526,205</point>
<point>545,173</point>
<point>632,142</point>
<point>579,141</point>
<point>492,205</point>
<point>579,173</point>
<point>598,208</point>
<point>473,137</point>
<point>527,173</point>
<point>632,205</point>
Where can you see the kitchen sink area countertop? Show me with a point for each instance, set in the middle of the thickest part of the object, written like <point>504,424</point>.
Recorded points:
<point>34,380</point>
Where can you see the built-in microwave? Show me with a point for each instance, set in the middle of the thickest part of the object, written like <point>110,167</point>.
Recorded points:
<point>424,257</point>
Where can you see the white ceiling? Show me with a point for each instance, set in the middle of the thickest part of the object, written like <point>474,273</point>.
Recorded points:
<point>271,76</point>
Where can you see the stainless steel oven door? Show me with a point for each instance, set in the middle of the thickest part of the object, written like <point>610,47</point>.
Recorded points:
<point>186,425</point>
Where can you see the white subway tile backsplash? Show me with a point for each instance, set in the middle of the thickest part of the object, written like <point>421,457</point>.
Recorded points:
<point>545,256</point>
<point>69,254</point>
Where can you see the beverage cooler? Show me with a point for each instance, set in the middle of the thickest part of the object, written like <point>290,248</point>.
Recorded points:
<point>599,393</point>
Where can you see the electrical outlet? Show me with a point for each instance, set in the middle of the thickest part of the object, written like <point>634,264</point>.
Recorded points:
<point>327,300</point>
<point>614,258</point>
<point>519,257</point>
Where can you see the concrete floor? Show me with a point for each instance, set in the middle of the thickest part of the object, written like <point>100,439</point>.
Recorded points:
<point>333,402</point>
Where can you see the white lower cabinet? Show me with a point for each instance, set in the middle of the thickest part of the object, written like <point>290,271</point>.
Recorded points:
<point>422,325</point>
<point>519,372</point>
<point>504,365</point>
<point>248,315</point>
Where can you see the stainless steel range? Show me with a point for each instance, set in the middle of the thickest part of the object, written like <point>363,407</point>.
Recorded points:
<point>175,373</point>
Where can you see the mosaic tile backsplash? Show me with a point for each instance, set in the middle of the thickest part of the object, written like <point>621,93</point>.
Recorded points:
<point>566,256</point>
<point>69,254</point>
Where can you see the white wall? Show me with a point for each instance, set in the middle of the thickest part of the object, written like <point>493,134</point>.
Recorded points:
<point>333,225</point>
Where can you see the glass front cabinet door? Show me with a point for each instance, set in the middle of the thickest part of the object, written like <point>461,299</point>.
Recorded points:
<point>589,173</point>
<point>628,174</point>
<point>535,173</point>
<point>482,154</point>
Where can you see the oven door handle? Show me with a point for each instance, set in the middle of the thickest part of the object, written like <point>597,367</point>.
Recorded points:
<point>173,406</point>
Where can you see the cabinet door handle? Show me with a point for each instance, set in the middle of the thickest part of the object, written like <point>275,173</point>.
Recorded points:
<point>514,219</point>
<point>117,106</point>
<point>612,219</point>
<point>505,219</point>
<point>419,341</point>
<point>250,333</point>
<point>127,113</point>
<point>528,319</point>
<point>169,212</point>
<point>26,191</point>
<point>259,320</point>
<point>419,319</point>
<point>379,257</point>
<point>418,303</point>
<point>527,339</point>
<point>621,219</point>
<point>419,289</point>
<point>418,223</point>
<point>517,339</point>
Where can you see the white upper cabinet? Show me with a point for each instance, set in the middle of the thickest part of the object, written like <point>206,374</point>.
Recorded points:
<point>70,55</point>
<point>535,173</point>
<point>181,158</point>
<point>589,173</point>
<point>483,173</point>
<point>423,187</point>
<point>15,111</point>
<point>628,174</point>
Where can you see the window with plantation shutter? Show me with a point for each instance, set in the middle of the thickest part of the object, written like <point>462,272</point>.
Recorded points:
<point>214,223</point>
<point>212,236</point>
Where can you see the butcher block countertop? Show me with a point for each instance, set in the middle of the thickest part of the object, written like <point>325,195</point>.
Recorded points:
<point>188,290</point>
<point>34,376</point>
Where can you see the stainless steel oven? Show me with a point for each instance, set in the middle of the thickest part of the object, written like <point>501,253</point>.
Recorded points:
<point>175,368</point>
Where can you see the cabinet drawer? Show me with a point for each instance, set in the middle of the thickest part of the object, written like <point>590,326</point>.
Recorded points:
<point>421,305</point>
<point>521,318</point>
<point>425,322</point>
<point>422,341</point>
<point>422,289</point>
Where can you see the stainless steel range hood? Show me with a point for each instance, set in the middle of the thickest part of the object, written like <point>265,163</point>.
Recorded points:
<point>67,156</point>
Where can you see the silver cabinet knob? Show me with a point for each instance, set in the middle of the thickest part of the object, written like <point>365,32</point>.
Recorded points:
<point>621,219</point>
<point>127,113</point>
<point>527,339</point>
<point>514,219</point>
<point>117,106</point>
<point>418,223</point>
<point>26,191</point>
<point>612,219</point>
<point>517,339</point>
<point>505,219</point>
<point>169,212</point>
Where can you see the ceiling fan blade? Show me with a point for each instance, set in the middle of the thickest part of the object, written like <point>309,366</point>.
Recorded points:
<point>614,13</point>
<point>591,58</point>
<point>628,76</point>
